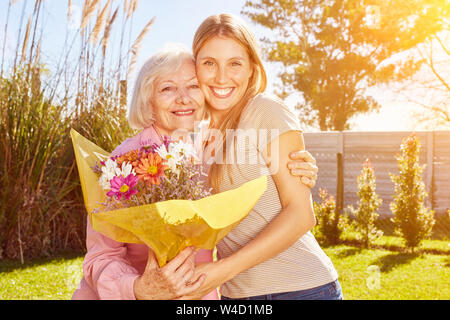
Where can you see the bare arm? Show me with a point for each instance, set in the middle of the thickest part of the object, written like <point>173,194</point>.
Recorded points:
<point>294,220</point>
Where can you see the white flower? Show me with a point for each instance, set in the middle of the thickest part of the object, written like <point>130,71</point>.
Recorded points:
<point>111,170</point>
<point>182,149</point>
<point>172,158</point>
<point>162,151</point>
<point>104,182</point>
<point>108,173</point>
<point>172,163</point>
<point>126,170</point>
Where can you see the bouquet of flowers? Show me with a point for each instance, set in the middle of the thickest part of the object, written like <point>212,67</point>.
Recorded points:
<point>157,196</point>
<point>152,174</point>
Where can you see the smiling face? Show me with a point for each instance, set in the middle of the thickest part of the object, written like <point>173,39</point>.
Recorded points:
<point>177,101</point>
<point>223,71</point>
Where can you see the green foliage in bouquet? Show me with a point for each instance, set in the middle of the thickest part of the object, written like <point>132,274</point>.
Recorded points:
<point>366,213</point>
<point>413,221</point>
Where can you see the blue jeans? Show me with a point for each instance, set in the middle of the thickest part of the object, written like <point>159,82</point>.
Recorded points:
<point>329,291</point>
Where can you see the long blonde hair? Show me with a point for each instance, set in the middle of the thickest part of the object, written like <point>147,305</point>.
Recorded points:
<point>230,26</point>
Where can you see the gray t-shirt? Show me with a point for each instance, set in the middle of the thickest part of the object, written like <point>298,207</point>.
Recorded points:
<point>302,266</point>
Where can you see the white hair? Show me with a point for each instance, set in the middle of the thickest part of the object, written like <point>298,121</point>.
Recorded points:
<point>167,60</point>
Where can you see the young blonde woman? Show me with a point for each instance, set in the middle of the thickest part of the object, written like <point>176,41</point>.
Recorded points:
<point>271,254</point>
<point>166,98</point>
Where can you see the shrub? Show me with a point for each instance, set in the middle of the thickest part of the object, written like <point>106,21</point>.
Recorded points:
<point>329,225</point>
<point>366,213</point>
<point>412,220</point>
<point>33,181</point>
<point>41,205</point>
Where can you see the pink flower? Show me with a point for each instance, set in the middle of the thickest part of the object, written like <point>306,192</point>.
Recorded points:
<point>125,187</point>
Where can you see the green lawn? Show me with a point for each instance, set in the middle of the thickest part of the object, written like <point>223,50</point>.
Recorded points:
<point>46,279</point>
<point>364,274</point>
<point>393,243</point>
<point>388,275</point>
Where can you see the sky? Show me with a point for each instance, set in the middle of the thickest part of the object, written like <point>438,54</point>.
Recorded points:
<point>176,21</point>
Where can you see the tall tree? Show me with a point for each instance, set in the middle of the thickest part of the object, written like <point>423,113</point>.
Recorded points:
<point>333,50</point>
<point>430,88</point>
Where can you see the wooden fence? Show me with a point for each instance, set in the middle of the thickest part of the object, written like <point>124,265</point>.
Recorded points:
<point>340,157</point>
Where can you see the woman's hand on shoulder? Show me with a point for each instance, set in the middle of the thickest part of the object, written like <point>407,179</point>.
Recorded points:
<point>303,165</point>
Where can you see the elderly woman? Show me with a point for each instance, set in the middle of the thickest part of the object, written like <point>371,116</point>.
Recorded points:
<point>166,98</point>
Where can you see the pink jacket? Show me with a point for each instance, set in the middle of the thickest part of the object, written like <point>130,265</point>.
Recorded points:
<point>110,267</point>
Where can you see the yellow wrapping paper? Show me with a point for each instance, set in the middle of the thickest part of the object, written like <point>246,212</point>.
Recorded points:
<point>168,226</point>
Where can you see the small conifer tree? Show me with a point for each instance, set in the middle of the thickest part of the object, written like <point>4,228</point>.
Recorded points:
<point>366,214</point>
<point>328,229</point>
<point>413,221</point>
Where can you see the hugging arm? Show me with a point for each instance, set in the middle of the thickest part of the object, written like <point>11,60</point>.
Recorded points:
<point>293,221</point>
